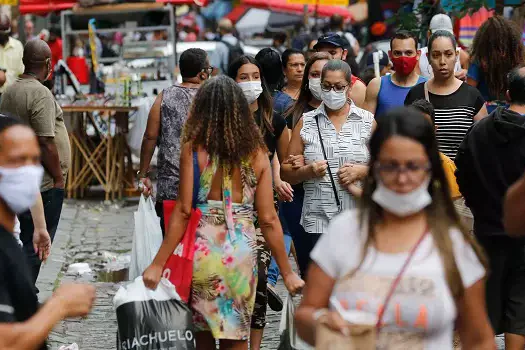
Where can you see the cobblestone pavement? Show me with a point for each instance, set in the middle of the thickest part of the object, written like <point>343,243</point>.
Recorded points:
<point>91,232</point>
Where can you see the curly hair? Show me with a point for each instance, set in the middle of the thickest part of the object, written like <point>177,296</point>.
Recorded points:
<point>221,122</point>
<point>497,48</point>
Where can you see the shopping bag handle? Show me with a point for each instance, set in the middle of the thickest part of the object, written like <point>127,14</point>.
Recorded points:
<point>196,180</point>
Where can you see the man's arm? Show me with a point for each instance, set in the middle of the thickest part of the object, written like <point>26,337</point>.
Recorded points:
<point>42,120</point>
<point>41,238</point>
<point>149,142</point>
<point>372,92</point>
<point>358,92</point>
<point>514,209</point>
<point>69,301</point>
<point>50,160</point>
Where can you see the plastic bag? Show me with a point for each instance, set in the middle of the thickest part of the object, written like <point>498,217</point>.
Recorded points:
<point>146,239</point>
<point>150,319</point>
<point>289,338</point>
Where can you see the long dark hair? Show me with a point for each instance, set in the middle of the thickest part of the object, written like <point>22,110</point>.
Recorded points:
<point>265,100</point>
<point>409,122</point>
<point>305,95</point>
<point>270,62</point>
<point>497,48</point>
<point>221,122</point>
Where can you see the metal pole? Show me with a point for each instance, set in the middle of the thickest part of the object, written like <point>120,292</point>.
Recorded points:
<point>173,30</point>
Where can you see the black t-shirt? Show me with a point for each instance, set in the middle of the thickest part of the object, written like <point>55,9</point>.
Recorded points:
<point>289,120</point>
<point>271,138</point>
<point>18,299</point>
<point>454,114</point>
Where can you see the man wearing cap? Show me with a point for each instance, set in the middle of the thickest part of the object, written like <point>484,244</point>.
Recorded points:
<point>383,61</point>
<point>443,22</point>
<point>11,52</point>
<point>335,45</point>
<point>389,91</point>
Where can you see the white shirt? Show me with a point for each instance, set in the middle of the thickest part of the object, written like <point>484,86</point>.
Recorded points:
<point>349,145</point>
<point>422,311</point>
<point>426,68</point>
<point>11,60</point>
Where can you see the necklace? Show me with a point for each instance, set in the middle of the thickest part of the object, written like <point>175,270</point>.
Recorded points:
<point>31,75</point>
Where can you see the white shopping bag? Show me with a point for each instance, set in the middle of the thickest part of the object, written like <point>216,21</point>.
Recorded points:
<point>289,338</point>
<point>147,237</point>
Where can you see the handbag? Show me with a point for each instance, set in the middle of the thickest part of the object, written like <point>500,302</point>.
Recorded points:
<point>289,338</point>
<point>336,195</point>
<point>179,267</point>
<point>362,336</point>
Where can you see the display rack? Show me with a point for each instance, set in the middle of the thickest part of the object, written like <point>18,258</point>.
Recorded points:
<point>119,15</point>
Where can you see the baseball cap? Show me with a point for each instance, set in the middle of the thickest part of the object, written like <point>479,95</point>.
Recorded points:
<point>383,59</point>
<point>441,22</point>
<point>330,39</point>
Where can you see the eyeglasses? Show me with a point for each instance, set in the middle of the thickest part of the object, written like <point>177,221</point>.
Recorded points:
<point>389,172</point>
<point>337,88</point>
<point>208,70</point>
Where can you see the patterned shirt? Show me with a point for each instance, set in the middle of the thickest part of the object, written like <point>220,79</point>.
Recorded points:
<point>176,102</point>
<point>350,145</point>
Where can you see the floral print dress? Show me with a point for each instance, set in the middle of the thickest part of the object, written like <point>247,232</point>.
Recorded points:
<point>225,261</point>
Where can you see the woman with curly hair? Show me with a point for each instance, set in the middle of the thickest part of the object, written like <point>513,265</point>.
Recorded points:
<point>235,183</point>
<point>496,50</point>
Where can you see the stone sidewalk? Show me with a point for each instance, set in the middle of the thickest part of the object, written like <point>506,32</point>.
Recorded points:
<point>89,232</point>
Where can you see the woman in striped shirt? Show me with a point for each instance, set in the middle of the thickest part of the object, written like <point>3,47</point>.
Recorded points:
<point>457,104</point>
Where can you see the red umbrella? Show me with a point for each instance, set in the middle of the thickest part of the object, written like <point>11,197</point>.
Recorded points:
<point>41,7</point>
<point>284,6</point>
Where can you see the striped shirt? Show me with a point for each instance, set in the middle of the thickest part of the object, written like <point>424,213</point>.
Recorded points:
<point>454,114</point>
<point>350,145</point>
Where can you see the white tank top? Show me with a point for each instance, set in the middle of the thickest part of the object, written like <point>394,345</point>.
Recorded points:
<point>426,68</point>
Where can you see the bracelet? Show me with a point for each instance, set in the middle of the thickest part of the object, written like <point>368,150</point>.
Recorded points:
<point>319,313</point>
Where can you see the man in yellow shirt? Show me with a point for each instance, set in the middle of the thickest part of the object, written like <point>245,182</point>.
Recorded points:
<point>11,53</point>
<point>427,109</point>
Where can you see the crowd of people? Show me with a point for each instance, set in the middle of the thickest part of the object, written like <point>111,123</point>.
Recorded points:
<point>365,183</point>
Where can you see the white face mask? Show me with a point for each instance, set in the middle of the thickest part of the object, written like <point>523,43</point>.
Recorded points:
<point>20,186</point>
<point>334,100</point>
<point>402,205</point>
<point>252,90</point>
<point>314,85</point>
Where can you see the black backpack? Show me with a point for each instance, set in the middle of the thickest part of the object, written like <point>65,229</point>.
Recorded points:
<point>234,52</point>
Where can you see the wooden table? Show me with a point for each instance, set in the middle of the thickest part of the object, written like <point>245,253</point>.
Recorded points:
<point>106,157</point>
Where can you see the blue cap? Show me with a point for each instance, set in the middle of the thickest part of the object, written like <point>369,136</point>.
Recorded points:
<point>330,39</point>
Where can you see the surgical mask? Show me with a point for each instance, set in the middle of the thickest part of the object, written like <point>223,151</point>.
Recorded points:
<point>252,90</point>
<point>314,85</point>
<point>334,100</point>
<point>405,204</point>
<point>19,187</point>
<point>78,52</point>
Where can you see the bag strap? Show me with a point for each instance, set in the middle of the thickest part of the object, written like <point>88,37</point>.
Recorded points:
<point>326,158</point>
<point>425,86</point>
<point>395,283</point>
<point>196,180</point>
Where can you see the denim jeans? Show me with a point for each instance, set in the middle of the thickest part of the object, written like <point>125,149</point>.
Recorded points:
<point>53,200</point>
<point>304,242</point>
<point>273,270</point>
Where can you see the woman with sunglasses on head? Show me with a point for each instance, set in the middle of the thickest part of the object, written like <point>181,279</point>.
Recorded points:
<point>329,152</point>
<point>402,260</point>
<point>247,72</point>
<point>457,105</point>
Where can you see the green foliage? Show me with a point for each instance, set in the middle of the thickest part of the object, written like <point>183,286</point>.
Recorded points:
<point>417,21</point>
